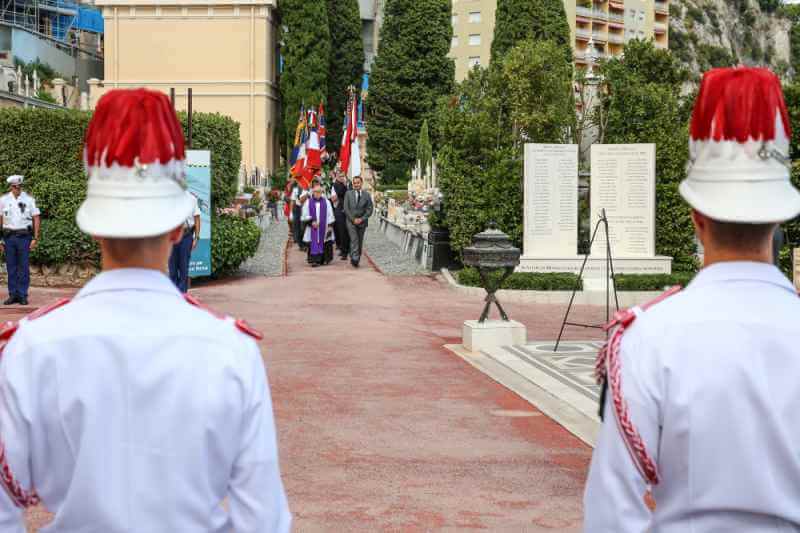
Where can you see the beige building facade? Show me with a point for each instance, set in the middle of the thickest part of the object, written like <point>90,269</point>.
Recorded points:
<point>224,50</point>
<point>599,29</point>
<point>473,30</point>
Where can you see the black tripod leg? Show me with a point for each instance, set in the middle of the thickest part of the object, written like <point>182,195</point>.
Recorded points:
<point>577,286</point>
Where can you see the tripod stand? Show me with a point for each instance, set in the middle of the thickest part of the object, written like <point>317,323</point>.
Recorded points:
<point>610,284</point>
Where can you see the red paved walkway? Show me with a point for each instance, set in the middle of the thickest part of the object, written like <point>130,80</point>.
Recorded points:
<point>380,428</point>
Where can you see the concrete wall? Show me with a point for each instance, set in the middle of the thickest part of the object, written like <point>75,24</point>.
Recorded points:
<point>30,47</point>
<point>224,50</point>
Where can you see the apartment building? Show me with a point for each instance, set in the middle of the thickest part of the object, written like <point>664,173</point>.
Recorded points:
<point>224,50</point>
<point>473,29</point>
<point>599,29</point>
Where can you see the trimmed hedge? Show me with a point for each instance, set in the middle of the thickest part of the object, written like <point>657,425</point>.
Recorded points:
<point>652,282</point>
<point>233,240</point>
<point>46,146</point>
<point>62,242</point>
<point>525,281</point>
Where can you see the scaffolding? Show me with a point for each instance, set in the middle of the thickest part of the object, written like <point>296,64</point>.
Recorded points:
<point>68,25</point>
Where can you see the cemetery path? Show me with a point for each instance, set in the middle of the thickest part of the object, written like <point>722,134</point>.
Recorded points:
<point>382,429</point>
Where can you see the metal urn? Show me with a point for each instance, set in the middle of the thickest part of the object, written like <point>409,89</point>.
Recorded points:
<point>492,250</point>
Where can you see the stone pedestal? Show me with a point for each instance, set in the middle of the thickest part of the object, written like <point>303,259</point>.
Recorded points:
<point>595,273</point>
<point>796,265</point>
<point>478,336</point>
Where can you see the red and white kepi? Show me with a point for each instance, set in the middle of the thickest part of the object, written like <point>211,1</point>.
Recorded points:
<point>739,149</point>
<point>134,157</point>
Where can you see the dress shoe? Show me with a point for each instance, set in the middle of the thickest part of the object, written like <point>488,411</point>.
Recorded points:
<point>343,257</point>
<point>354,263</point>
<point>23,301</point>
<point>10,301</point>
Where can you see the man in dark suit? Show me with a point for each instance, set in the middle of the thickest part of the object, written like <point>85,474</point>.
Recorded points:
<point>340,188</point>
<point>357,208</point>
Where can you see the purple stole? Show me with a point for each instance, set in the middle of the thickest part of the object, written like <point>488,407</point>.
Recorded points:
<point>318,234</point>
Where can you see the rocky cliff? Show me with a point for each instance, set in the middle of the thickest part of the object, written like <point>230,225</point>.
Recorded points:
<point>717,33</point>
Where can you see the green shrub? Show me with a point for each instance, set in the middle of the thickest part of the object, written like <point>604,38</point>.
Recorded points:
<point>233,240</point>
<point>220,134</point>
<point>62,242</point>
<point>525,281</point>
<point>46,146</point>
<point>652,282</point>
<point>695,14</point>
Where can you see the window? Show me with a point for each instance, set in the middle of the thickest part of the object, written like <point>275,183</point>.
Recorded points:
<point>475,39</point>
<point>454,44</point>
<point>474,62</point>
<point>475,17</point>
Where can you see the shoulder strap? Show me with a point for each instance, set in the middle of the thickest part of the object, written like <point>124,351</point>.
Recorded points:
<point>608,369</point>
<point>240,324</point>
<point>22,498</point>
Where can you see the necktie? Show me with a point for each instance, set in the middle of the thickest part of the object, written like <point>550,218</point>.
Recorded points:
<point>358,196</point>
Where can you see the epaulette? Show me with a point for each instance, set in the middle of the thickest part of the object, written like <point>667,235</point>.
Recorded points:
<point>22,498</point>
<point>9,328</point>
<point>240,323</point>
<point>607,372</point>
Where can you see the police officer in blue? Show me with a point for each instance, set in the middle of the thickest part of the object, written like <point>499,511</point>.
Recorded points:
<point>19,220</point>
<point>182,252</point>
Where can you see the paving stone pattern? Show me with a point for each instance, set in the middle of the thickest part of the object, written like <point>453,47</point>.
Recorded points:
<point>268,260</point>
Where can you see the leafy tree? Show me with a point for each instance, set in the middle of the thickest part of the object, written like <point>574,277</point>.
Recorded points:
<point>518,20</point>
<point>540,98</point>
<point>306,55</point>
<point>643,104</point>
<point>411,72</point>
<point>424,148</point>
<point>346,64</point>
<point>481,158</point>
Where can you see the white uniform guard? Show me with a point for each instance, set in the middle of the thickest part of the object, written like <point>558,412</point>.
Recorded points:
<point>131,408</point>
<point>703,406</point>
<point>16,217</point>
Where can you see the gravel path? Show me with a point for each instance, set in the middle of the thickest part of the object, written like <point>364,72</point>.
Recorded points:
<point>387,255</point>
<point>268,260</point>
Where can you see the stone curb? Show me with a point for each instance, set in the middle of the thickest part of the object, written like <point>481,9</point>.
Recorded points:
<point>626,298</point>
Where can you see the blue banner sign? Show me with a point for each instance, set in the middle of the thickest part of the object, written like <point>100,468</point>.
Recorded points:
<point>198,176</point>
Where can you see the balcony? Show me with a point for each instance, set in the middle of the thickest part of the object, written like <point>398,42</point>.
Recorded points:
<point>660,27</point>
<point>661,7</point>
<point>583,34</point>
<point>600,36</point>
<point>616,38</point>
<point>583,11</point>
<point>613,17</point>
<point>601,15</point>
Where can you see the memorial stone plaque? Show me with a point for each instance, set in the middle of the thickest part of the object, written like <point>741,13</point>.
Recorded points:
<point>624,184</point>
<point>551,200</point>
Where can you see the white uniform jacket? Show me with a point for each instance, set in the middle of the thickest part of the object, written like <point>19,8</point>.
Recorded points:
<point>711,379</point>
<point>129,410</point>
<point>18,212</point>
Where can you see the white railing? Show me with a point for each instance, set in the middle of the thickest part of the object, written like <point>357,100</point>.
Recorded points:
<point>583,33</point>
<point>585,11</point>
<point>596,13</point>
<point>616,18</point>
<point>660,26</point>
<point>600,36</point>
<point>663,7</point>
<point>616,38</point>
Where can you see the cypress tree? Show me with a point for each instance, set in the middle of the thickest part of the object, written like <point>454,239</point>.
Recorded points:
<point>346,63</point>
<point>424,148</point>
<point>411,72</point>
<point>306,55</point>
<point>519,20</point>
